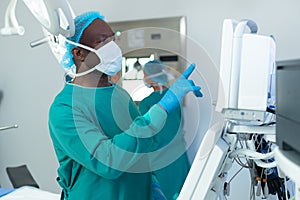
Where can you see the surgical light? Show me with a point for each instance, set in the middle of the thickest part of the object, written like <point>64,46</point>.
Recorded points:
<point>49,13</point>
<point>11,26</point>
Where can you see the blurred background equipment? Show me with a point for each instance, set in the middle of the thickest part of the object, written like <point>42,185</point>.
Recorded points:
<point>21,176</point>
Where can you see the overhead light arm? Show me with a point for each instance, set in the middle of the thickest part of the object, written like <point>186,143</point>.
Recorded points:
<point>11,26</point>
<point>51,14</point>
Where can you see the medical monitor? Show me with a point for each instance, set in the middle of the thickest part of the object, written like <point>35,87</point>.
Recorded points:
<point>288,106</point>
<point>247,60</point>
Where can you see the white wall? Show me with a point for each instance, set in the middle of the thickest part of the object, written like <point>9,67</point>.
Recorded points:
<point>30,78</point>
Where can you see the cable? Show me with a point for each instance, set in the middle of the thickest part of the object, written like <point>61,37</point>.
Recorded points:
<point>251,154</point>
<point>242,146</point>
<point>235,174</point>
<point>265,165</point>
<point>285,188</point>
<point>270,110</point>
<point>251,190</point>
<point>239,162</point>
<point>268,123</point>
<point>260,142</point>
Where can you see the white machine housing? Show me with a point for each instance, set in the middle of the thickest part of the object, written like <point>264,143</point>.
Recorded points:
<point>257,61</point>
<point>246,63</point>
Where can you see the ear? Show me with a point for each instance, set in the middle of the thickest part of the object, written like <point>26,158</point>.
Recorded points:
<point>78,54</point>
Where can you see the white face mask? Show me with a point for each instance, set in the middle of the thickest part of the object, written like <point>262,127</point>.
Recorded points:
<point>110,56</point>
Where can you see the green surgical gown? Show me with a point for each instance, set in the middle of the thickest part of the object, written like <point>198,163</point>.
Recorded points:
<point>172,176</point>
<point>99,139</point>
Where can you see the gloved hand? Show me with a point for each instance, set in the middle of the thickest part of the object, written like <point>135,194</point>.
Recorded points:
<point>178,90</point>
<point>157,194</point>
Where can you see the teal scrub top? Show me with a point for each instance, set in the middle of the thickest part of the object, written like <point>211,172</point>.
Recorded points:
<point>99,139</point>
<point>172,176</point>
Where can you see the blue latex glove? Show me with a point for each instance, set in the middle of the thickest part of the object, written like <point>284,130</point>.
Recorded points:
<point>178,90</point>
<point>157,194</point>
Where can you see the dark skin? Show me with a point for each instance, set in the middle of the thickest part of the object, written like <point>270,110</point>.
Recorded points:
<point>93,36</point>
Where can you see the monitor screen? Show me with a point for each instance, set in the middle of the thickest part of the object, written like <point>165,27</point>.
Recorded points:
<point>288,105</point>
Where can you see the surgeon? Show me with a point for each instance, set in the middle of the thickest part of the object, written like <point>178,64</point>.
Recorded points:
<point>101,141</point>
<point>172,175</point>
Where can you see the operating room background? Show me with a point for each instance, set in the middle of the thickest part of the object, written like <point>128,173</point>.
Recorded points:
<point>31,77</point>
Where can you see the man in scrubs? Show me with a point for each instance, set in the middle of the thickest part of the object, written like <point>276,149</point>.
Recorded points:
<point>172,175</point>
<point>101,141</point>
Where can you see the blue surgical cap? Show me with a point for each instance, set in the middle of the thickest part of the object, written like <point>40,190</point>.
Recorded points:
<point>81,23</point>
<point>156,67</point>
